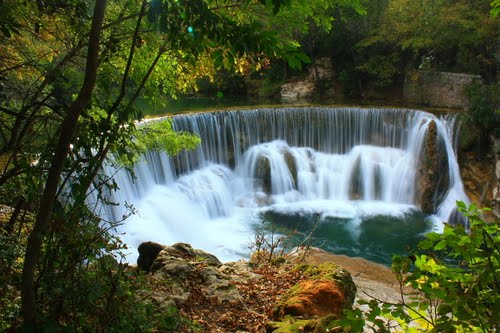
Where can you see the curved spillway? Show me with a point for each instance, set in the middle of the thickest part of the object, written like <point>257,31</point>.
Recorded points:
<point>341,163</point>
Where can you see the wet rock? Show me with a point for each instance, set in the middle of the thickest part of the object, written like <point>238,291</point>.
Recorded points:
<point>291,164</point>
<point>428,175</point>
<point>263,172</point>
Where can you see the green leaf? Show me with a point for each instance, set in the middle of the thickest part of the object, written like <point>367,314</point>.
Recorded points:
<point>441,245</point>
<point>303,57</point>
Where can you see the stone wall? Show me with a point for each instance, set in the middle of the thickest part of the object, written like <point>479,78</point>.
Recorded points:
<point>438,89</point>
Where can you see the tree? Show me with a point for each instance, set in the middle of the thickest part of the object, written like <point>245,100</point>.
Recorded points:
<point>71,73</point>
<point>448,36</point>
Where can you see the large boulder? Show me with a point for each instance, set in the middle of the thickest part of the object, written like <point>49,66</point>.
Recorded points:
<point>186,253</point>
<point>315,303</point>
<point>313,298</point>
<point>327,290</point>
<point>188,273</point>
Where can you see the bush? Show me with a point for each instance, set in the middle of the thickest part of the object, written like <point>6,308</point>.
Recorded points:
<point>455,276</point>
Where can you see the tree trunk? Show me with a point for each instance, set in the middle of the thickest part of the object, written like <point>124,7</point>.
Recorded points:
<point>67,131</point>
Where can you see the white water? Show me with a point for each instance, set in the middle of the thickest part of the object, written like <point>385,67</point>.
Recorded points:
<point>347,163</point>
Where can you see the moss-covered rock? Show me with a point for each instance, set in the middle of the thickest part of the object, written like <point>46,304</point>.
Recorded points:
<point>315,303</point>
<point>332,272</point>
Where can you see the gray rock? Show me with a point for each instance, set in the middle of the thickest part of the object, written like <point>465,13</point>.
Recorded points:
<point>217,285</point>
<point>172,267</point>
<point>185,251</point>
<point>185,270</point>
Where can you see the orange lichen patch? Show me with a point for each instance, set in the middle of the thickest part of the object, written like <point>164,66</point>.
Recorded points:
<point>313,298</point>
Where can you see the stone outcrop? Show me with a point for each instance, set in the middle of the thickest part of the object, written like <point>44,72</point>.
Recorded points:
<point>263,172</point>
<point>481,178</point>
<point>327,290</point>
<point>297,91</point>
<point>319,81</point>
<point>188,271</point>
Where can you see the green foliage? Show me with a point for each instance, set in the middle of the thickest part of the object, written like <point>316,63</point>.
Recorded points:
<point>495,8</point>
<point>160,136</point>
<point>156,135</point>
<point>83,289</point>
<point>11,252</point>
<point>455,279</point>
<point>483,104</point>
<point>398,36</point>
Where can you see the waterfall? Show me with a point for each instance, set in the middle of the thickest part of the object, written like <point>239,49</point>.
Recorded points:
<point>336,162</point>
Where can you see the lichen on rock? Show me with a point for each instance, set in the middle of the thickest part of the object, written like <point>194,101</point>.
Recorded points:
<point>326,291</point>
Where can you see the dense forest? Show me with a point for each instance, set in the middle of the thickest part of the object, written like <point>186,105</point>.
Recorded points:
<point>377,47</point>
<point>73,74</point>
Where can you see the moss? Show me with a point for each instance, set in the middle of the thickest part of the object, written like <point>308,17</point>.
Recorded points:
<point>291,325</point>
<point>326,271</point>
<point>327,324</point>
<point>467,138</point>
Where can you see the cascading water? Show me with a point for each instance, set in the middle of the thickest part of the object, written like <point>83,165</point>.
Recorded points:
<point>345,164</point>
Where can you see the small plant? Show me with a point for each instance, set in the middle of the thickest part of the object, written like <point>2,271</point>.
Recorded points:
<point>270,246</point>
<point>454,278</point>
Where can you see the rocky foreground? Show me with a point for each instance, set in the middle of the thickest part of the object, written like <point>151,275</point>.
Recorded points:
<point>303,292</point>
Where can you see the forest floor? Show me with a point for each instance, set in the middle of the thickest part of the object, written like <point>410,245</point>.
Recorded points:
<point>261,293</point>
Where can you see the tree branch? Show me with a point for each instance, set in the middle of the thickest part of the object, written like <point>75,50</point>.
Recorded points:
<point>33,249</point>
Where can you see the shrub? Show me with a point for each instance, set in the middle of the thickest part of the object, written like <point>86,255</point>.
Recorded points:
<point>456,282</point>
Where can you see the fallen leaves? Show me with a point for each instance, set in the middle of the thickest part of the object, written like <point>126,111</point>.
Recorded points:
<point>259,296</point>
